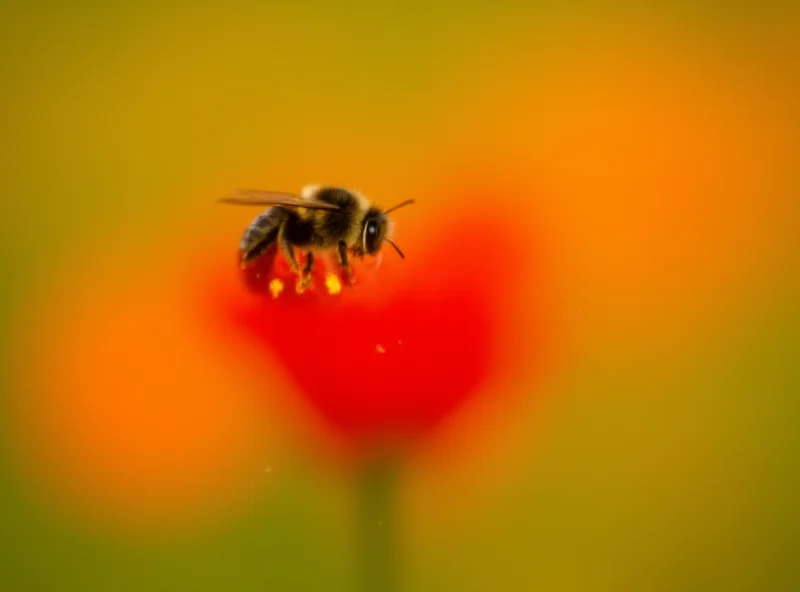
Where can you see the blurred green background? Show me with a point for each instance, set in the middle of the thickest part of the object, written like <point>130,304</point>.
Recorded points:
<point>656,144</point>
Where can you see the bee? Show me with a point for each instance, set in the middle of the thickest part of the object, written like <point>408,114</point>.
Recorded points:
<point>319,219</point>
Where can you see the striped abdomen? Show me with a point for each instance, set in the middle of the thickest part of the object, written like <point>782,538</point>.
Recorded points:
<point>262,233</point>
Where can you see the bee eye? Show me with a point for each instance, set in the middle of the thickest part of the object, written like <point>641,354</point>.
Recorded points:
<point>371,236</point>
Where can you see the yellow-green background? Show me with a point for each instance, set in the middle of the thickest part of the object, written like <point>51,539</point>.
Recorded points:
<point>656,148</point>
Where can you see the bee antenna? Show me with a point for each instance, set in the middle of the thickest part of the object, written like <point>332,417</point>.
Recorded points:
<point>396,248</point>
<point>408,202</point>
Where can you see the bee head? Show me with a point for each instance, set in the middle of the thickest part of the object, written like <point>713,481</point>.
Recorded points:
<point>377,227</point>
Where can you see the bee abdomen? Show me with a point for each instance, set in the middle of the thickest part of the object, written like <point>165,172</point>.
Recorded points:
<point>262,233</point>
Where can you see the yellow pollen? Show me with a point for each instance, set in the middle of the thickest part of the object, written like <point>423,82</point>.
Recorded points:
<point>275,288</point>
<point>333,284</point>
<point>380,349</point>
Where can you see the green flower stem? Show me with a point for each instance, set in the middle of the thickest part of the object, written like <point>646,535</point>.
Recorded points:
<point>377,542</point>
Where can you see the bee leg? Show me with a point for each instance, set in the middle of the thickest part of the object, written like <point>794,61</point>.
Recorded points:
<point>305,277</point>
<point>344,261</point>
<point>288,251</point>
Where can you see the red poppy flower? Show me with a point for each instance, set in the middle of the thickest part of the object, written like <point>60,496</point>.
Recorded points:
<point>395,353</point>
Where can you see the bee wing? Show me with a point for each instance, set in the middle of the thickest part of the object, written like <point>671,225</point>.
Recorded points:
<point>257,197</point>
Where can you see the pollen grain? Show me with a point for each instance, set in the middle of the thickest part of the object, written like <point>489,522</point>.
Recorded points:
<point>275,288</point>
<point>333,284</point>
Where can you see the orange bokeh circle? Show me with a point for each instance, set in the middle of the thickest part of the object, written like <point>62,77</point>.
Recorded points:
<point>126,409</point>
